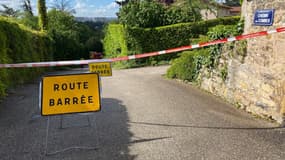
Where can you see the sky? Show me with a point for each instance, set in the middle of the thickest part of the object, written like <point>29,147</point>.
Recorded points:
<point>83,8</point>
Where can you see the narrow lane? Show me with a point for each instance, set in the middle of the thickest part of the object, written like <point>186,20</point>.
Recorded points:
<point>144,117</point>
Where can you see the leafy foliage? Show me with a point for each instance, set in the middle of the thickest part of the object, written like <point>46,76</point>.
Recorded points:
<point>177,35</point>
<point>73,40</point>
<point>219,32</point>
<point>29,20</point>
<point>43,20</point>
<point>187,66</point>
<point>240,26</point>
<point>120,40</point>
<point>142,14</point>
<point>115,41</point>
<point>149,14</point>
<point>193,7</point>
<point>64,39</point>
<point>18,44</point>
<point>175,15</point>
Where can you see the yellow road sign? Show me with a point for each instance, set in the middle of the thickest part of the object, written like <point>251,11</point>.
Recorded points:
<point>77,93</point>
<point>104,69</point>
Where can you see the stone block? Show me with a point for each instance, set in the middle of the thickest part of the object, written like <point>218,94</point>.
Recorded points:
<point>262,105</point>
<point>243,86</point>
<point>256,110</point>
<point>266,103</point>
<point>283,106</point>
<point>267,89</point>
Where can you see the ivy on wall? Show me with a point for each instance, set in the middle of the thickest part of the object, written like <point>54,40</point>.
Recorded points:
<point>189,66</point>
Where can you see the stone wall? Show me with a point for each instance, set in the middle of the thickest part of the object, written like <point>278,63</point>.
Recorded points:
<point>256,79</point>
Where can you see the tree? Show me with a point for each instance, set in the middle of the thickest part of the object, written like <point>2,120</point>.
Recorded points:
<point>64,5</point>
<point>193,8</point>
<point>9,12</point>
<point>152,13</point>
<point>27,17</point>
<point>178,15</point>
<point>43,19</point>
<point>142,14</point>
<point>73,40</point>
<point>60,21</point>
<point>27,7</point>
<point>61,28</point>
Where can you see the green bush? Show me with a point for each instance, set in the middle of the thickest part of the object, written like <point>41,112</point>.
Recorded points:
<point>18,44</point>
<point>123,40</point>
<point>187,66</point>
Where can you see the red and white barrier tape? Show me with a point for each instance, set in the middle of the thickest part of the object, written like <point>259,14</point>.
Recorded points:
<point>150,54</point>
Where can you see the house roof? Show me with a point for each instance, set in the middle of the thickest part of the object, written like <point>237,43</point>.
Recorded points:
<point>235,9</point>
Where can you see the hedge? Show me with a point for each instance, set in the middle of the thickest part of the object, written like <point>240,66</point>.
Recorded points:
<point>19,44</point>
<point>124,40</point>
<point>188,65</point>
<point>115,41</point>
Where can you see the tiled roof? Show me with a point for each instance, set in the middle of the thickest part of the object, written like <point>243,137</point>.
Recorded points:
<point>235,9</point>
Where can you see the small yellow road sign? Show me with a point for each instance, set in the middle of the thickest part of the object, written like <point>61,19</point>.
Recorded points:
<point>104,69</point>
<point>77,93</point>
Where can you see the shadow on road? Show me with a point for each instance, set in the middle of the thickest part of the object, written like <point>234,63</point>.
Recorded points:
<point>108,134</point>
<point>23,131</point>
<point>203,127</point>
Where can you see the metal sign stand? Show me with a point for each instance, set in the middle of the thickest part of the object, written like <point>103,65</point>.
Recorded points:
<point>46,153</point>
<point>61,122</point>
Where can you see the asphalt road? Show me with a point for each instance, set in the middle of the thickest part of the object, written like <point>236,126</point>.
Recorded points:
<point>144,117</point>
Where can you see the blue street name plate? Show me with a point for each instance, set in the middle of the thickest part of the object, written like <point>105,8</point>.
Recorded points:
<point>264,17</point>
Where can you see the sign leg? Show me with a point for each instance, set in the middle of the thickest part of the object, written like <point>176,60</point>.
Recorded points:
<point>61,122</point>
<point>89,123</point>
<point>46,140</point>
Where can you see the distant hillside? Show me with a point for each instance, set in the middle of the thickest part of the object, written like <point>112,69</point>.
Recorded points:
<point>95,19</point>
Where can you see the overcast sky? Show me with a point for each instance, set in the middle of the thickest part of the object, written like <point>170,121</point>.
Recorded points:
<point>84,8</point>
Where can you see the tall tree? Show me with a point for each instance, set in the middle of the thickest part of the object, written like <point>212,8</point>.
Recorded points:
<point>9,12</point>
<point>194,7</point>
<point>64,5</point>
<point>43,19</point>
<point>142,14</point>
<point>27,16</point>
<point>27,7</point>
